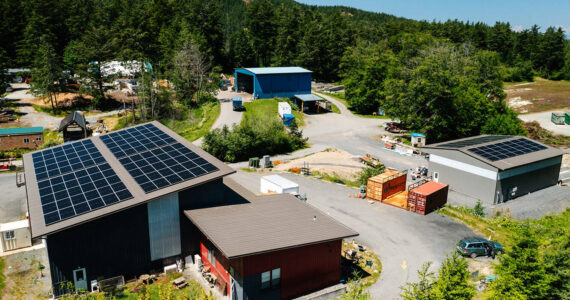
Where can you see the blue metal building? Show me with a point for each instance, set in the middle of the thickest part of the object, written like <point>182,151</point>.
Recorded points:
<point>273,82</point>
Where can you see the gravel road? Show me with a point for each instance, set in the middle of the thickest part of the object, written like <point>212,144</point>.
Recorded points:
<point>31,117</point>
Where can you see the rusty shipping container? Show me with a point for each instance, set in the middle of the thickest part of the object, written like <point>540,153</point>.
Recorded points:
<point>386,184</point>
<point>427,197</point>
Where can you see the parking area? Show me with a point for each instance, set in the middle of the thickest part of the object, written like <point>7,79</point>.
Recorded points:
<point>403,240</point>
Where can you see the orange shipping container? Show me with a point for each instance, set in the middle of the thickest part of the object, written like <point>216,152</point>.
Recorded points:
<point>386,184</point>
<point>427,197</point>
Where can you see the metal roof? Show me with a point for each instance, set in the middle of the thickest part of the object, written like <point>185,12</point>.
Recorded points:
<point>280,181</point>
<point>267,223</point>
<point>418,134</point>
<point>465,144</point>
<point>21,130</point>
<point>76,117</point>
<point>38,226</point>
<point>277,70</point>
<point>308,98</point>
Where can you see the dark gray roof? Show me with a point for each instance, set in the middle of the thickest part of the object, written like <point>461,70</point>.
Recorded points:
<point>464,145</point>
<point>76,117</point>
<point>267,223</point>
<point>38,226</point>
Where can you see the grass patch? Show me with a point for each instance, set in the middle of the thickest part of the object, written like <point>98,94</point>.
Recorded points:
<point>368,274</point>
<point>334,178</point>
<point>198,123</point>
<point>543,94</point>
<point>163,289</point>
<point>262,108</point>
<point>248,170</point>
<point>335,108</point>
<point>342,99</point>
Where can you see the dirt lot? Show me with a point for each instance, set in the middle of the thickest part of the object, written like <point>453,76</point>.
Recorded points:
<point>63,99</point>
<point>330,161</point>
<point>540,95</point>
<point>23,276</point>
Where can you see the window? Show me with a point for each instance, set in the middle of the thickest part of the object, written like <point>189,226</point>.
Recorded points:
<point>9,235</point>
<point>271,279</point>
<point>419,140</point>
<point>212,257</point>
<point>265,280</point>
<point>39,139</point>
<point>26,141</point>
<point>275,278</point>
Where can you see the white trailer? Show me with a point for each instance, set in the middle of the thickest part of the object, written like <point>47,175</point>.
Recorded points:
<point>284,108</point>
<point>279,185</point>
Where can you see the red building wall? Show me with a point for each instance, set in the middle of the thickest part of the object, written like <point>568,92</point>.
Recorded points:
<point>303,269</point>
<point>222,263</point>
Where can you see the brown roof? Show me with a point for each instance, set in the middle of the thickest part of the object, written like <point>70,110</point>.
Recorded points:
<point>267,223</point>
<point>388,174</point>
<point>38,226</point>
<point>503,164</point>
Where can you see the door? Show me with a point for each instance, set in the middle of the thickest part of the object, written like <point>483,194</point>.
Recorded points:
<point>436,176</point>
<point>80,279</point>
<point>9,240</point>
<point>236,290</point>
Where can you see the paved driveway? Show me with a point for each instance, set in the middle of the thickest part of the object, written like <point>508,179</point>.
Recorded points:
<point>544,119</point>
<point>403,240</point>
<point>31,116</point>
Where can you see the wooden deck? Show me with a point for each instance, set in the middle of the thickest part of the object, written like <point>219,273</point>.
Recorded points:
<point>399,200</point>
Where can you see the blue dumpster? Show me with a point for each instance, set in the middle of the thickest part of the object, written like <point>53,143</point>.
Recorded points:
<point>288,119</point>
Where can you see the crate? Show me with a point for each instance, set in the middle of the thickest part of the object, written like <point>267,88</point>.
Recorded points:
<point>427,197</point>
<point>386,184</point>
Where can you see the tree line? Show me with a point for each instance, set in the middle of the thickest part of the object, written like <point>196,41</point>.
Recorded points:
<point>235,33</point>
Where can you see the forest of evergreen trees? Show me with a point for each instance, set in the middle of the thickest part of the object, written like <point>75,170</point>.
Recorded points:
<point>260,33</point>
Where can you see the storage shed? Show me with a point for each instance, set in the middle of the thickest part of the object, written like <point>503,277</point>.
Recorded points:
<point>308,102</point>
<point>273,82</point>
<point>494,168</point>
<point>74,127</point>
<point>418,139</point>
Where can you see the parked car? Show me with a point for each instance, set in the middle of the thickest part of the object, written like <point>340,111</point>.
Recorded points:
<point>475,246</point>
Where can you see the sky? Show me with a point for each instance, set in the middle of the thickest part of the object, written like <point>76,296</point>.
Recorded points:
<point>521,14</point>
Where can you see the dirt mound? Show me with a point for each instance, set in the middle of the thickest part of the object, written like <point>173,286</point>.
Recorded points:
<point>63,100</point>
<point>330,161</point>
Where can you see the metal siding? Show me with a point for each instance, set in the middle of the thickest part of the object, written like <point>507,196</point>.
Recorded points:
<point>164,227</point>
<point>281,85</point>
<point>466,183</point>
<point>111,246</point>
<point>303,269</point>
<point>535,178</point>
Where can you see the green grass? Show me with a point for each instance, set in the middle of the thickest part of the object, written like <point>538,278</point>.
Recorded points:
<point>58,112</point>
<point>198,123</point>
<point>2,277</point>
<point>162,289</point>
<point>261,108</point>
<point>342,99</point>
<point>334,178</point>
<point>376,264</point>
<point>335,108</point>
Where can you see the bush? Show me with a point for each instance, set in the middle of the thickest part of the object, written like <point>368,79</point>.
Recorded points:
<point>479,209</point>
<point>256,136</point>
<point>369,172</point>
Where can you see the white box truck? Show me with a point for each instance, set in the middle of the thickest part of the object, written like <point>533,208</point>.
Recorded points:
<point>279,185</point>
<point>284,108</point>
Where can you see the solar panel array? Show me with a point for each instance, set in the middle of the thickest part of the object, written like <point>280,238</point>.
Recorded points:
<point>60,160</point>
<point>157,162</point>
<point>474,141</point>
<point>136,139</point>
<point>74,179</point>
<point>507,149</point>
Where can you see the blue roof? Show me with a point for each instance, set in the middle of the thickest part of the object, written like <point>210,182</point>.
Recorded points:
<point>418,135</point>
<point>277,70</point>
<point>237,98</point>
<point>308,97</point>
<point>21,130</point>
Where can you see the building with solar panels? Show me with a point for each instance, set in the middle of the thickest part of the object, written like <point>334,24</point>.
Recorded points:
<point>136,200</point>
<point>494,168</point>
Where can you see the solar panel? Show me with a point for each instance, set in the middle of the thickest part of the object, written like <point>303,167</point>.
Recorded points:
<point>507,149</point>
<point>79,192</point>
<point>136,139</point>
<point>61,160</point>
<point>154,159</point>
<point>165,166</point>
<point>475,141</point>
